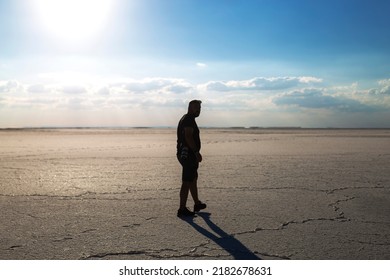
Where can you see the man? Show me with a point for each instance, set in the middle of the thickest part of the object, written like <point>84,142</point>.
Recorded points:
<point>188,154</point>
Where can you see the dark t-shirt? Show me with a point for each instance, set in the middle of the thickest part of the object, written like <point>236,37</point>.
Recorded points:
<point>187,120</point>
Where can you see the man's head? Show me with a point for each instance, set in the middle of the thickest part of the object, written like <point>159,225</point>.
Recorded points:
<point>194,107</point>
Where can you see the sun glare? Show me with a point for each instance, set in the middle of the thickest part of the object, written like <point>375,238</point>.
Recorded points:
<point>73,21</point>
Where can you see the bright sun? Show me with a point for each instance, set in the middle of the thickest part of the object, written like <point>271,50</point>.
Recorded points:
<point>73,21</point>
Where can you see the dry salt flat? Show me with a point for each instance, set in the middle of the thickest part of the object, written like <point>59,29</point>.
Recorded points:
<point>271,194</point>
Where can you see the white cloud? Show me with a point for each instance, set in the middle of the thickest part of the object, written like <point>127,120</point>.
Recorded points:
<point>73,89</point>
<point>377,98</point>
<point>8,86</point>
<point>38,88</point>
<point>201,65</point>
<point>313,98</point>
<point>179,88</point>
<point>261,83</point>
<point>258,101</point>
<point>145,85</point>
<point>77,103</point>
<point>383,89</point>
<point>152,86</point>
<point>103,91</point>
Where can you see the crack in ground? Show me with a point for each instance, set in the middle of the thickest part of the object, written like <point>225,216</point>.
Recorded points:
<point>372,222</point>
<point>286,224</point>
<point>352,188</point>
<point>14,247</point>
<point>336,208</point>
<point>337,219</point>
<point>192,253</point>
<point>370,243</point>
<point>103,255</point>
<point>282,257</point>
<point>83,196</point>
<point>150,253</point>
<point>63,239</point>
<point>157,255</point>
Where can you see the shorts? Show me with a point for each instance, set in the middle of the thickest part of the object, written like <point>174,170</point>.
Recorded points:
<point>190,168</point>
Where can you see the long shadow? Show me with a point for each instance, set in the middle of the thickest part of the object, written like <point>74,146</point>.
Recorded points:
<point>227,242</point>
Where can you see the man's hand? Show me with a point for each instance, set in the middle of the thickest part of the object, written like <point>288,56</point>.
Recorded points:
<point>199,157</point>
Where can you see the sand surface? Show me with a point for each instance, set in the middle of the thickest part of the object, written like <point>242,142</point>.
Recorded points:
<point>271,194</point>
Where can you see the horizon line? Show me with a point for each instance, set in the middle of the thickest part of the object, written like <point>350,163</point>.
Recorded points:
<point>174,127</point>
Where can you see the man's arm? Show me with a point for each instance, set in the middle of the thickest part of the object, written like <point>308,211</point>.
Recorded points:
<point>188,134</point>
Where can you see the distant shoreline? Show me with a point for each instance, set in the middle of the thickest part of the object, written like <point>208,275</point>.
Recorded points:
<point>205,127</point>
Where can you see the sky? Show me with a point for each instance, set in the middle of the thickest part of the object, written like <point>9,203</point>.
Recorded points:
<point>266,63</point>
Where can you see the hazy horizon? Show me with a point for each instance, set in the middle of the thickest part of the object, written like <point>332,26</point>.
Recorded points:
<point>138,63</point>
<point>202,127</point>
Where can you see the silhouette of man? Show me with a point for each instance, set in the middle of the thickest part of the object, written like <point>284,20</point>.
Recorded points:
<point>188,154</point>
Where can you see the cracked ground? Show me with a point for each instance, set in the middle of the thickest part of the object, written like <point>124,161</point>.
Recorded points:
<point>271,194</point>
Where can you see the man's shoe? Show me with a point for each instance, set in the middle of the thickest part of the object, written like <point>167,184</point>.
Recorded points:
<point>199,206</point>
<point>185,213</point>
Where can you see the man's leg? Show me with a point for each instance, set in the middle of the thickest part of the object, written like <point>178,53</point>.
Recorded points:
<point>198,205</point>
<point>185,187</point>
<point>183,210</point>
<point>194,190</point>
<point>189,181</point>
<point>189,184</point>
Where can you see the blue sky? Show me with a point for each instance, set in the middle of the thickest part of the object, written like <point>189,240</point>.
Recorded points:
<point>252,63</point>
